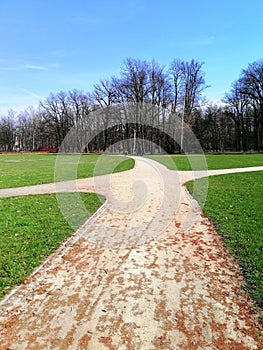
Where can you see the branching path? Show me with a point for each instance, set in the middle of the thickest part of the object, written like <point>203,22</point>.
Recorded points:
<point>148,271</point>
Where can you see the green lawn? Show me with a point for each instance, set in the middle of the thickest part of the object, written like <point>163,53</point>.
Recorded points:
<point>32,169</point>
<point>235,206</point>
<point>214,161</point>
<point>33,227</point>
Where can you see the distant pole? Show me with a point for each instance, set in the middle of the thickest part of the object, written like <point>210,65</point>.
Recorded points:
<point>134,140</point>
<point>182,133</point>
<point>182,128</point>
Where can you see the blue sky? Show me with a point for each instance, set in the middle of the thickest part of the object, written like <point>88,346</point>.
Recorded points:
<point>52,45</point>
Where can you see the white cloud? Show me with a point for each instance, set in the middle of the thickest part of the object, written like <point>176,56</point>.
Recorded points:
<point>31,93</point>
<point>28,66</point>
<point>34,67</point>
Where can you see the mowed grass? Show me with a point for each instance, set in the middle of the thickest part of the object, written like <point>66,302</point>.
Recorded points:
<point>32,169</point>
<point>235,206</point>
<point>209,161</point>
<point>33,227</point>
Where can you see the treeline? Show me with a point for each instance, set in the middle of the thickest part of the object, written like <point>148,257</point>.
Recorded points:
<point>173,94</point>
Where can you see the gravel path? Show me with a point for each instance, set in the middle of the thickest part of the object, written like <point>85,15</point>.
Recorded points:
<point>147,271</point>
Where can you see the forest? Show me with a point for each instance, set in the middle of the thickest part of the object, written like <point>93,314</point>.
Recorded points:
<point>147,108</point>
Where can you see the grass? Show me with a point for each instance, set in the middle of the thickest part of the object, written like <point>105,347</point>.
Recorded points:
<point>235,206</point>
<point>214,161</point>
<point>32,169</point>
<point>33,227</point>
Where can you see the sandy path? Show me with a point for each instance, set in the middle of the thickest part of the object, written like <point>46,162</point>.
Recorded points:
<point>148,271</point>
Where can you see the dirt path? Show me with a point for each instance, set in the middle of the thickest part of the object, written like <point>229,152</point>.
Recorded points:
<point>148,271</point>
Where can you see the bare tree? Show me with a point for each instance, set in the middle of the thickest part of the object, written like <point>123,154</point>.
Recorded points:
<point>8,131</point>
<point>178,90</point>
<point>134,85</point>
<point>58,115</point>
<point>237,107</point>
<point>251,85</point>
<point>188,85</point>
<point>176,70</point>
<point>193,86</point>
<point>134,81</point>
<point>27,128</point>
<point>104,93</point>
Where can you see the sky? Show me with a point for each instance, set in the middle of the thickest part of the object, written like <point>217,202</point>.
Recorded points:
<point>51,45</point>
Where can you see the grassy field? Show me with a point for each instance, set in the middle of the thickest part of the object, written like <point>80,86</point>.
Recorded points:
<point>31,228</point>
<point>235,206</point>
<point>214,161</point>
<point>32,169</point>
